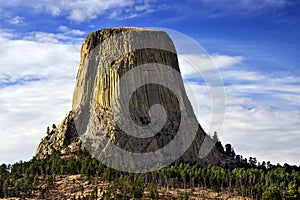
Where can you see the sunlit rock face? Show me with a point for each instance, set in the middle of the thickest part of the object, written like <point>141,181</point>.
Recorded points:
<point>138,112</point>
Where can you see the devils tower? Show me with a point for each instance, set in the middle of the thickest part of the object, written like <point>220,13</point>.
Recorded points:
<point>130,105</point>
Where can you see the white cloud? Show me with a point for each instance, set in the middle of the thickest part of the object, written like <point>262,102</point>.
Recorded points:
<point>79,11</point>
<point>197,63</point>
<point>262,110</point>
<point>262,115</point>
<point>66,36</point>
<point>222,61</point>
<point>240,75</point>
<point>142,7</point>
<point>256,130</point>
<point>16,20</point>
<point>41,57</point>
<point>83,10</point>
<point>73,32</point>
<point>118,15</point>
<point>36,86</point>
<point>5,33</point>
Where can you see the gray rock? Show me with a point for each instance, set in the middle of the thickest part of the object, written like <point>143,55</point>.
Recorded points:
<point>98,113</point>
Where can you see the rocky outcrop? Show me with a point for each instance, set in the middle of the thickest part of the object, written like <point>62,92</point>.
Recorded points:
<point>62,139</point>
<point>110,109</point>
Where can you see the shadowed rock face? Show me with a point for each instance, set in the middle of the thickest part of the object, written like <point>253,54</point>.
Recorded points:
<point>100,91</point>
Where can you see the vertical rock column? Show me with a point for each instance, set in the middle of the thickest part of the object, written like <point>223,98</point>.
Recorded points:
<point>106,56</point>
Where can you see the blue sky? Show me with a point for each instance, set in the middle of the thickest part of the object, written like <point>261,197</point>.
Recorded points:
<point>255,44</point>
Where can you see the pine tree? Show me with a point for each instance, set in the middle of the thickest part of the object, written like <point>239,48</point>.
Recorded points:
<point>48,130</point>
<point>272,193</point>
<point>292,192</point>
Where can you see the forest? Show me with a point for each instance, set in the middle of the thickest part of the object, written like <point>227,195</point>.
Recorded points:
<point>247,179</point>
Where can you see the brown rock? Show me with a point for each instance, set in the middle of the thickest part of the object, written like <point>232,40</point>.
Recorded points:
<point>63,139</point>
<point>107,56</point>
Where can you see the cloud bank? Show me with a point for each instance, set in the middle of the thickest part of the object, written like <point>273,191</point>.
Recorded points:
<point>262,115</point>
<point>36,86</point>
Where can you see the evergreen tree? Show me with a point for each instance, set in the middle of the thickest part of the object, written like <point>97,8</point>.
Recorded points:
<point>272,193</point>
<point>53,126</point>
<point>153,191</point>
<point>292,192</point>
<point>48,130</point>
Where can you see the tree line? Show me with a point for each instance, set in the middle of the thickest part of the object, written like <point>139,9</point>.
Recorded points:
<point>247,178</point>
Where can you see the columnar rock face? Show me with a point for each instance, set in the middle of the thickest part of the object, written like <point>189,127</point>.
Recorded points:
<point>101,89</point>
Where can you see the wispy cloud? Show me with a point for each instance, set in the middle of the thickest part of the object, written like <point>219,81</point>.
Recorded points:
<point>72,32</point>
<point>223,8</point>
<point>7,80</point>
<point>6,33</point>
<point>79,11</point>
<point>250,5</point>
<point>262,115</point>
<point>16,20</point>
<point>66,35</point>
<point>197,63</point>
